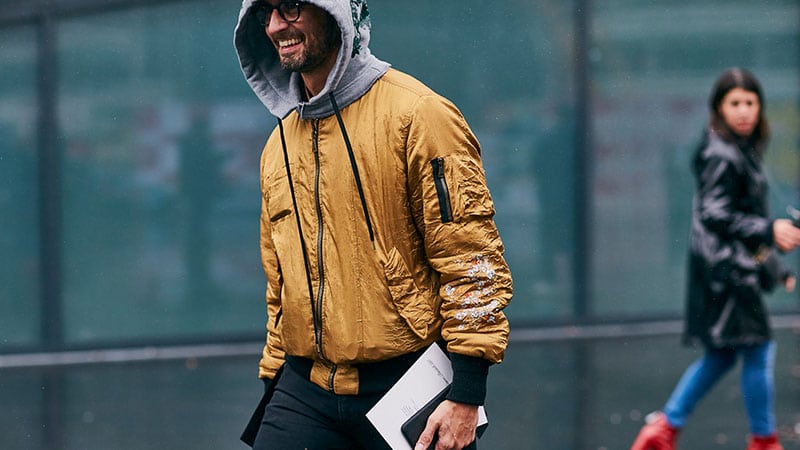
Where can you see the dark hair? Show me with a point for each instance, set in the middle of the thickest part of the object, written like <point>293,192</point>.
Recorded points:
<point>738,78</point>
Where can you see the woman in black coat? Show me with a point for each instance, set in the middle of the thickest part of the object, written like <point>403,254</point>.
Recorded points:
<point>732,261</point>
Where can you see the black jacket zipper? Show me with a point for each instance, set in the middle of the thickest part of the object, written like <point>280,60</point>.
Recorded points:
<point>317,313</point>
<point>316,305</point>
<point>442,192</point>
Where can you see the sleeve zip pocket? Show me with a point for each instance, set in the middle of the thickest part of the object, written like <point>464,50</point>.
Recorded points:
<point>442,192</point>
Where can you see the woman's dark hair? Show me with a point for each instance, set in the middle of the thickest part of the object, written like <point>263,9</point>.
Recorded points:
<point>738,78</point>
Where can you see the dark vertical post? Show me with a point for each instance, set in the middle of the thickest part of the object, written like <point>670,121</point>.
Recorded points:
<point>52,333</point>
<point>583,165</point>
<point>583,219</point>
<point>49,188</point>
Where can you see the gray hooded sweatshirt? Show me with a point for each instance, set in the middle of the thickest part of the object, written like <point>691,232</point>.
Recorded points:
<point>281,91</point>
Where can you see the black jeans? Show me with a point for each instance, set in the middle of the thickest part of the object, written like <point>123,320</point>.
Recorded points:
<point>302,416</point>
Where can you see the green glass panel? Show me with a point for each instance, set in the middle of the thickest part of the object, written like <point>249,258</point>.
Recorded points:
<point>19,237</point>
<point>161,142</point>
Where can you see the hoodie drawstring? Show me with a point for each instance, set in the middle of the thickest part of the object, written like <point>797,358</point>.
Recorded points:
<point>297,216</point>
<point>354,166</point>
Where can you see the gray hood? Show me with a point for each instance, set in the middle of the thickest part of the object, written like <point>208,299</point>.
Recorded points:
<point>355,71</point>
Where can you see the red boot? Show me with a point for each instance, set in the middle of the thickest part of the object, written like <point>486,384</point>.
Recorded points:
<point>656,434</point>
<point>764,443</point>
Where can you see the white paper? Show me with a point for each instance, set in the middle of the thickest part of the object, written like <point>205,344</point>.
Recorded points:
<point>428,376</point>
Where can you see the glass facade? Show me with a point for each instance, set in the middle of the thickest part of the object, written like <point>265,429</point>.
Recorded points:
<point>587,115</point>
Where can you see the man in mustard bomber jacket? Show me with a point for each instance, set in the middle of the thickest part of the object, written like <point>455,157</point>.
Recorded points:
<point>377,234</point>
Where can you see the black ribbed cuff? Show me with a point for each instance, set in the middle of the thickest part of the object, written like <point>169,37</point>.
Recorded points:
<point>769,236</point>
<point>469,379</point>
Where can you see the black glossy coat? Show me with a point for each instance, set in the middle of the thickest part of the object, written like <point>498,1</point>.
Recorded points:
<point>730,221</point>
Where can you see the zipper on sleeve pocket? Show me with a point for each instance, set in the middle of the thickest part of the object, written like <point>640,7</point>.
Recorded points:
<point>442,192</point>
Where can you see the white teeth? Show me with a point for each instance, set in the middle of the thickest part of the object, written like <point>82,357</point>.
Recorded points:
<point>288,42</point>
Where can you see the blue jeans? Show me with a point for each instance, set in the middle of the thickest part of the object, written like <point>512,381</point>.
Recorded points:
<point>758,390</point>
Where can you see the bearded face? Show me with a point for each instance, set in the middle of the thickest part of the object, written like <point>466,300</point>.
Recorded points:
<point>308,43</point>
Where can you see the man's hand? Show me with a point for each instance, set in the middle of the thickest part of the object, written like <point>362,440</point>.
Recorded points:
<point>453,424</point>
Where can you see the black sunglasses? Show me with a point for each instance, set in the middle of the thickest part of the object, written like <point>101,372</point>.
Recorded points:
<point>289,11</point>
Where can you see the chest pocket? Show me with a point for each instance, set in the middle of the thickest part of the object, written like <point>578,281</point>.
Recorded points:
<point>278,198</point>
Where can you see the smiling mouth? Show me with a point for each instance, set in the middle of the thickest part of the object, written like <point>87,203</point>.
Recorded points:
<point>284,43</point>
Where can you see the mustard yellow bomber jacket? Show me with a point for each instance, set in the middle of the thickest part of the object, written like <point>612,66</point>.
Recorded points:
<point>427,265</point>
